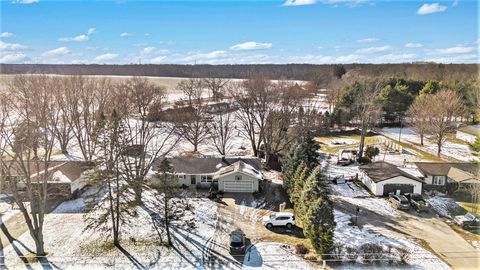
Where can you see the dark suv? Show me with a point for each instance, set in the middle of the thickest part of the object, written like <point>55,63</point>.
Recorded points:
<point>237,242</point>
<point>400,202</point>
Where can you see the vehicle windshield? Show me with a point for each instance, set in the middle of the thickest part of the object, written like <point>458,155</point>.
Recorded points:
<point>272,216</point>
<point>236,240</point>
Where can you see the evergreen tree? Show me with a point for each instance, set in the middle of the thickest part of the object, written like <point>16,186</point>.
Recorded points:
<point>289,166</point>
<point>319,226</point>
<point>308,151</point>
<point>475,146</point>
<point>298,182</point>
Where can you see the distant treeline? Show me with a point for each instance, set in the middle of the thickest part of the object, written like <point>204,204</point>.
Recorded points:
<point>421,71</point>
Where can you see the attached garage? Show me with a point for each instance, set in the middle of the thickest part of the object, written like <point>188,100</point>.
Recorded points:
<point>237,186</point>
<point>383,178</point>
<point>397,189</point>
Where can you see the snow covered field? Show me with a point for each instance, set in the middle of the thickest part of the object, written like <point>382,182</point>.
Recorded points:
<point>457,151</point>
<point>71,244</point>
<point>267,255</point>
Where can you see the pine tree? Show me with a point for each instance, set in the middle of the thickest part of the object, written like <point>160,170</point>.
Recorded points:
<point>308,151</point>
<point>298,181</point>
<point>475,146</point>
<point>319,226</point>
<point>289,166</point>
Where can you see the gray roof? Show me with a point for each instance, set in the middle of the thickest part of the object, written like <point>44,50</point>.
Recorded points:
<point>472,130</point>
<point>442,168</point>
<point>208,165</point>
<point>381,171</point>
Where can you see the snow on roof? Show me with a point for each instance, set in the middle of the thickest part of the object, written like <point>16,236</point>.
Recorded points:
<point>239,166</point>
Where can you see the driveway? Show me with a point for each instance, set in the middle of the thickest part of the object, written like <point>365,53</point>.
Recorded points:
<point>426,228</point>
<point>245,212</point>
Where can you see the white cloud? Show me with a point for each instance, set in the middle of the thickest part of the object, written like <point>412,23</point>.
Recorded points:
<point>368,40</point>
<point>251,45</point>
<point>456,50</point>
<point>325,59</point>
<point>106,57</point>
<point>206,56</point>
<point>91,31</point>
<point>126,34</point>
<point>80,38</point>
<point>4,46</point>
<point>13,58</point>
<point>148,50</point>
<point>6,35</point>
<point>389,58</point>
<point>455,3</point>
<point>413,45</point>
<point>57,52</point>
<point>462,58</point>
<point>374,49</point>
<point>431,8</point>
<point>26,2</point>
<point>290,3</point>
<point>158,59</point>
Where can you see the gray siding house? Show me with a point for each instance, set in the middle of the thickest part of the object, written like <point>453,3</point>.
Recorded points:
<point>228,174</point>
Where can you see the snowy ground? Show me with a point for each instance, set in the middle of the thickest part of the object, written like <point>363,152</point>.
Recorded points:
<point>70,244</point>
<point>352,237</point>
<point>267,255</point>
<point>457,151</point>
<point>444,205</point>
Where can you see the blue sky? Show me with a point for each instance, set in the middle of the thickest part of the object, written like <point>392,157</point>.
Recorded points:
<point>239,32</point>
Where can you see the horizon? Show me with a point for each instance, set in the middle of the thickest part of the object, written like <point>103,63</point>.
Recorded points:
<point>239,32</point>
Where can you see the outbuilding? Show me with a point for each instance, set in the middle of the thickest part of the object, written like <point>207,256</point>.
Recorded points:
<point>383,178</point>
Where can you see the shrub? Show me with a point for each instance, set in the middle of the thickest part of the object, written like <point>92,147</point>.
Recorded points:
<point>338,253</point>
<point>371,252</point>
<point>351,254</point>
<point>310,257</point>
<point>403,255</point>
<point>364,160</point>
<point>301,249</point>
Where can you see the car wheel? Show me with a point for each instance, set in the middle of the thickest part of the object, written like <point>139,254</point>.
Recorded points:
<point>269,225</point>
<point>289,226</point>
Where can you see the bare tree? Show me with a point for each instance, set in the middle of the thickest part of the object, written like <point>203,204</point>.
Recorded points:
<point>109,129</point>
<point>419,115</point>
<point>366,109</point>
<point>191,88</point>
<point>87,99</point>
<point>62,89</point>
<point>146,140</point>
<point>169,187</point>
<point>215,86</point>
<point>30,143</point>
<point>255,98</point>
<point>443,107</point>
<point>221,131</point>
<point>192,124</point>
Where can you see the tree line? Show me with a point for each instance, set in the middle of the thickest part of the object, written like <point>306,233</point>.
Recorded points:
<point>309,190</point>
<point>429,107</point>
<point>320,73</point>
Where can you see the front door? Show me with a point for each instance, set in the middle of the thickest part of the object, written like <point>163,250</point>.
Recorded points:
<point>193,180</point>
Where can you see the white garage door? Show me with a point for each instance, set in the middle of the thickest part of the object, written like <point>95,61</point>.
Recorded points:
<point>237,186</point>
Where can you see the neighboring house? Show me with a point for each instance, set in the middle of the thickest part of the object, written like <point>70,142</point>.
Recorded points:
<point>383,178</point>
<point>228,174</point>
<point>64,179</point>
<point>468,133</point>
<point>437,175</point>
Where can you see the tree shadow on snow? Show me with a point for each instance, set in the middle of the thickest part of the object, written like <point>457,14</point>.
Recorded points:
<point>134,261</point>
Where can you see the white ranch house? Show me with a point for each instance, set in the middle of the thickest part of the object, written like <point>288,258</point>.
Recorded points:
<point>228,174</point>
<point>382,178</point>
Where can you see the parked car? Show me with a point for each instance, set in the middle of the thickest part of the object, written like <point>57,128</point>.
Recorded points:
<point>417,202</point>
<point>468,220</point>
<point>279,219</point>
<point>237,242</point>
<point>400,202</point>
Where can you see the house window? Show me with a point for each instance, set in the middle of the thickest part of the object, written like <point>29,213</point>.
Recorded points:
<point>238,177</point>
<point>438,180</point>
<point>181,177</point>
<point>206,179</point>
